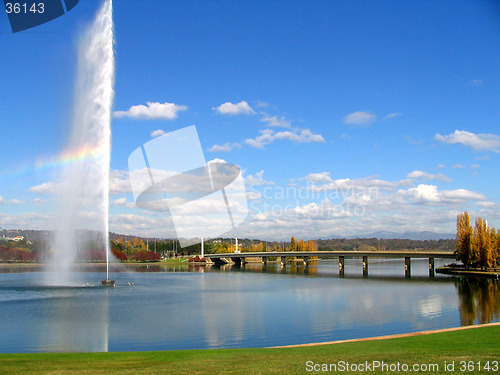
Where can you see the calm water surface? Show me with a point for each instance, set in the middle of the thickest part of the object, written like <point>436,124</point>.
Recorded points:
<point>167,308</point>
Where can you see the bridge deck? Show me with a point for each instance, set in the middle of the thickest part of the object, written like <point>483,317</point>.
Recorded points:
<point>335,254</point>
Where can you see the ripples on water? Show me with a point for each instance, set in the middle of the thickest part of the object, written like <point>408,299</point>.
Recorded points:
<point>161,308</point>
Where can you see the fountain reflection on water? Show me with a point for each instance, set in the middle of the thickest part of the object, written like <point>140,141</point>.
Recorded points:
<point>83,198</point>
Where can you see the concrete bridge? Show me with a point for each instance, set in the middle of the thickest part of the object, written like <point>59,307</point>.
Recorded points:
<point>241,258</point>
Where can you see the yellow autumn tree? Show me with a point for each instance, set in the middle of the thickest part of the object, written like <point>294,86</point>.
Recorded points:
<point>464,244</point>
<point>311,245</point>
<point>496,249</point>
<point>493,247</point>
<point>482,243</point>
<point>301,245</point>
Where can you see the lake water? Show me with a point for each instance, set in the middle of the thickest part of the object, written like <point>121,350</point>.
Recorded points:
<point>167,308</point>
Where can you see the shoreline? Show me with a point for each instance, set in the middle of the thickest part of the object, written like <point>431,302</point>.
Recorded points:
<point>454,271</point>
<point>388,337</point>
<point>101,263</point>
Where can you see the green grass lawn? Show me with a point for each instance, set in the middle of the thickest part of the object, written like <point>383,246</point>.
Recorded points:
<point>179,260</point>
<point>480,344</point>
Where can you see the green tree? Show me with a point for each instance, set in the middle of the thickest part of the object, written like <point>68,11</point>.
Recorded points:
<point>221,247</point>
<point>293,244</point>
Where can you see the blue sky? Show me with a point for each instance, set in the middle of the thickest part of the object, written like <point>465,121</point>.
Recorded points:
<point>347,117</point>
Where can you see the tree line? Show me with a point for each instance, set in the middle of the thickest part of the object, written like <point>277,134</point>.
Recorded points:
<point>477,246</point>
<point>17,251</point>
<point>222,246</point>
<point>367,244</point>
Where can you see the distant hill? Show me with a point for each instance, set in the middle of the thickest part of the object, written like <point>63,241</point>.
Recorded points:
<point>418,236</point>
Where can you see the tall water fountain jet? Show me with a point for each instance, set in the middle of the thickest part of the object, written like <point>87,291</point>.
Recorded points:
<point>84,196</point>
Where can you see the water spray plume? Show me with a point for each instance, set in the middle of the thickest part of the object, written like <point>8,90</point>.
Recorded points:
<point>84,196</point>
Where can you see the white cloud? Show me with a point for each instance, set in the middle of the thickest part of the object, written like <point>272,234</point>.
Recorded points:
<point>16,201</point>
<point>45,188</point>
<point>486,204</point>
<point>360,118</point>
<point>425,193</point>
<point>361,206</point>
<point>412,141</point>
<point>360,184</point>
<point>388,195</point>
<point>457,166</point>
<point>428,176</point>
<point>392,115</point>
<point>226,147</point>
<point>253,195</point>
<point>429,194</point>
<point>241,108</point>
<point>38,201</point>
<point>122,202</point>
<point>276,121</point>
<point>155,226</point>
<point>216,160</point>
<point>27,220</point>
<point>476,82</point>
<point>268,136</point>
<point>153,111</point>
<point>157,133</point>
<point>479,142</point>
<point>118,202</point>
<point>119,182</point>
<point>318,178</point>
<point>483,157</point>
<point>257,180</point>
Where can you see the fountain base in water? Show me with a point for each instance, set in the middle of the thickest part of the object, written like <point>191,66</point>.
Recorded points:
<point>108,282</point>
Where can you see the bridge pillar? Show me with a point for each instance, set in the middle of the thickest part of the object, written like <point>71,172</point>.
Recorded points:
<point>239,261</point>
<point>264,260</point>
<point>407,267</point>
<point>431,267</point>
<point>283,261</point>
<point>306,261</point>
<point>341,266</point>
<point>218,261</point>
<point>365,266</point>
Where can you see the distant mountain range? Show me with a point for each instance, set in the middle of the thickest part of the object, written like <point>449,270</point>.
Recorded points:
<point>41,235</point>
<point>419,236</point>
